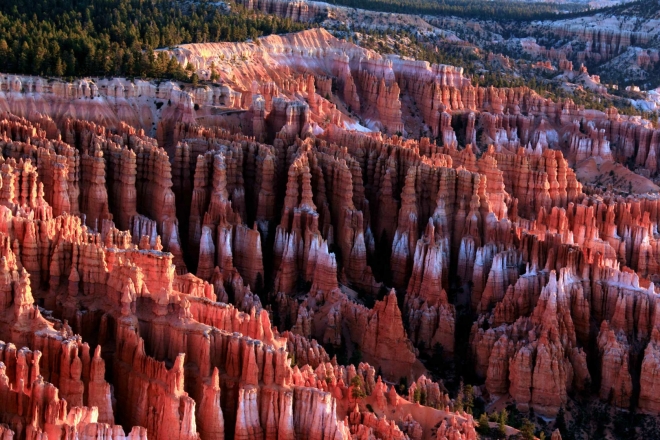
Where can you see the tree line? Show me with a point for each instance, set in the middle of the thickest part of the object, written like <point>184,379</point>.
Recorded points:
<point>480,9</point>
<point>118,37</point>
<point>502,10</point>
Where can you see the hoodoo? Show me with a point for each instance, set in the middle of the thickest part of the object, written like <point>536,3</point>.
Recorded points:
<point>308,236</point>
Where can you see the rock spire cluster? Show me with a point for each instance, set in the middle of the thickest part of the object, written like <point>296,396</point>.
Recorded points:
<point>214,281</point>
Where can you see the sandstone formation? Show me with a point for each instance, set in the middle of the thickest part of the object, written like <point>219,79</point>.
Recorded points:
<point>205,282</point>
<point>128,295</point>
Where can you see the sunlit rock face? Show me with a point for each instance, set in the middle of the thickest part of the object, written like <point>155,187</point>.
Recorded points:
<point>179,263</point>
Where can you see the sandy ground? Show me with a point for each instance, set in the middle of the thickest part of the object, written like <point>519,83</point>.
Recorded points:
<point>611,173</point>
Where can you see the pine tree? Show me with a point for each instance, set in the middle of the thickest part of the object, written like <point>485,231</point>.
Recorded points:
<point>4,49</point>
<point>60,67</point>
<point>357,387</point>
<point>484,427</point>
<point>468,392</point>
<point>70,62</point>
<point>501,425</point>
<point>560,421</point>
<point>458,403</point>
<point>214,73</point>
<point>527,430</point>
<point>24,59</point>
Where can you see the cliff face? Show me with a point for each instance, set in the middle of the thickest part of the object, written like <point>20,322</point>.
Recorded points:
<point>296,11</point>
<point>305,83</point>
